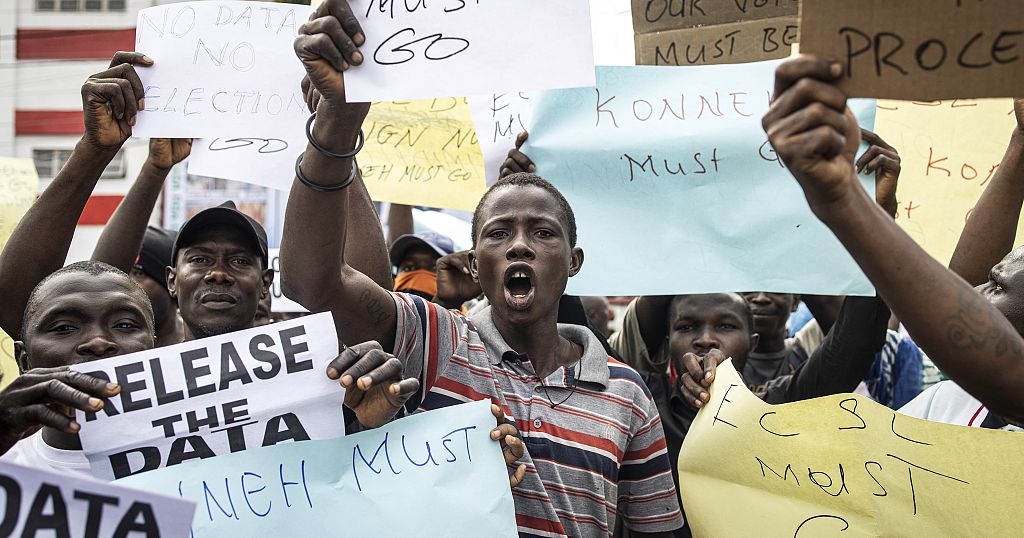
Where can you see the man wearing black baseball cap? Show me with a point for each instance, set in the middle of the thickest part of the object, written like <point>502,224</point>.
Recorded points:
<point>219,271</point>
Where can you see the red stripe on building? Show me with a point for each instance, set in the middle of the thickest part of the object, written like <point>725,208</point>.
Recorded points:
<point>48,122</point>
<point>64,44</point>
<point>99,209</point>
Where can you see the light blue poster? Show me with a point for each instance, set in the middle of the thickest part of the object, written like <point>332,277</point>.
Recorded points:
<point>676,189</point>
<point>431,474</point>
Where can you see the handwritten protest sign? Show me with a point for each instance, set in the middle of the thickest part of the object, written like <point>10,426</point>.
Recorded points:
<point>215,396</point>
<point>268,162</point>
<point>949,150</point>
<point>430,474</point>
<point>423,153</point>
<point>280,303</point>
<point>222,68</point>
<point>498,119</point>
<point>673,167</point>
<point>920,49</point>
<point>660,15</point>
<point>19,185</point>
<point>739,42</point>
<point>38,503</point>
<point>842,465</point>
<point>416,50</point>
<point>416,152</point>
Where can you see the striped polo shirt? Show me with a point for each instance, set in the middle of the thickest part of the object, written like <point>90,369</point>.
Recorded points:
<point>595,450</point>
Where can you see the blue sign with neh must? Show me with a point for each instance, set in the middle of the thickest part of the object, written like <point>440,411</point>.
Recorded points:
<point>431,474</point>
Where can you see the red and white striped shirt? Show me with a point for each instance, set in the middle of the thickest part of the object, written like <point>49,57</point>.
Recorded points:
<point>595,450</point>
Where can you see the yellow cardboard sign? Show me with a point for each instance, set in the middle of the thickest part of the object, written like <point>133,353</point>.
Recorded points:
<point>843,466</point>
<point>949,151</point>
<point>423,153</point>
<point>19,185</point>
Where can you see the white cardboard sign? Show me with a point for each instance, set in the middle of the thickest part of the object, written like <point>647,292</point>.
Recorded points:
<point>221,68</point>
<point>417,50</point>
<point>42,503</point>
<point>214,396</point>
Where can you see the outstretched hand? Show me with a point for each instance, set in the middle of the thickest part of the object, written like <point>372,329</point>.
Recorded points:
<point>812,130</point>
<point>111,101</point>
<point>375,384</point>
<point>511,445</point>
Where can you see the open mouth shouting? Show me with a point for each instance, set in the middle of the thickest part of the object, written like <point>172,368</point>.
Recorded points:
<point>218,300</point>
<point>519,290</point>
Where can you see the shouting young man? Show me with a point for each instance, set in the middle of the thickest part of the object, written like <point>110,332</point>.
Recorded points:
<point>595,447</point>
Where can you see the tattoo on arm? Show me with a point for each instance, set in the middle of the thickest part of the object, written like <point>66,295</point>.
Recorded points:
<point>373,306</point>
<point>979,328</point>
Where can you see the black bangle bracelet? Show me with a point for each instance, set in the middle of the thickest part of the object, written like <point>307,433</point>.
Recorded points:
<point>324,188</point>
<point>325,151</point>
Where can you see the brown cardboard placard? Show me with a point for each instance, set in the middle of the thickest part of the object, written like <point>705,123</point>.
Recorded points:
<point>661,15</point>
<point>749,41</point>
<point>920,49</point>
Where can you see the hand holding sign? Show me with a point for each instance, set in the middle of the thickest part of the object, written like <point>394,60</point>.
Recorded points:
<point>376,387</point>
<point>112,99</point>
<point>696,376</point>
<point>512,448</point>
<point>812,130</point>
<point>44,397</point>
<point>882,160</point>
<point>164,153</point>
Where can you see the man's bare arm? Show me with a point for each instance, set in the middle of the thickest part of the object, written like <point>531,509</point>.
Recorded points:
<point>992,227</point>
<point>400,222</point>
<point>314,268</point>
<point>121,240</point>
<point>816,136</point>
<point>40,242</point>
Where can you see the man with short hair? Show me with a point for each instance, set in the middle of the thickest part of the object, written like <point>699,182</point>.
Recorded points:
<point>83,312</point>
<point>220,271</point>
<point>595,448</point>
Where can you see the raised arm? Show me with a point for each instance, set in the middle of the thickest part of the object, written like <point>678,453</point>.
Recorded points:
<point>314,268</point>
<point>400,222</point>
<point>367,250</point>
<point>39,244</point>
<point>817,137</point>
<point>989,233</point>
<point>121,240</point>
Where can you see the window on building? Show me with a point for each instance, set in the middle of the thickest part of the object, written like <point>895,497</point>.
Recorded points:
<point>49,161</point>
<point>80,5</point>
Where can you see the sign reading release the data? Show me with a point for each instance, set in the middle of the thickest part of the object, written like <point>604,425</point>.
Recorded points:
<point>417,50</point>
<point>673,167</point>
<point>215,396</point>
<point>41,503</point>
<point>431,474</point>
<point>225,68</point>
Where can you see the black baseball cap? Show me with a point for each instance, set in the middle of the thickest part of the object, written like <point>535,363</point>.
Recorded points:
<point>225,215</point>
<point>155,255</point>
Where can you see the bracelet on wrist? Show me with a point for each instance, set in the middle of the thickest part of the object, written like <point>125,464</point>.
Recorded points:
<point>325,151</point>
<point>324,188</point>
